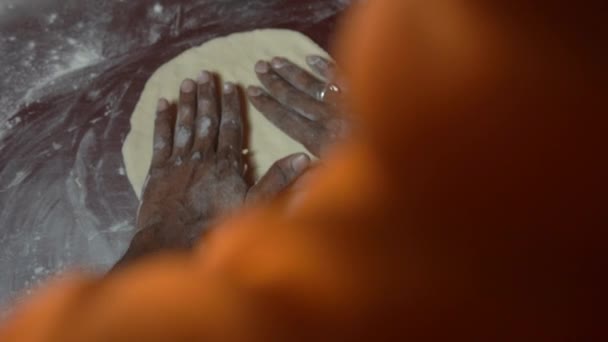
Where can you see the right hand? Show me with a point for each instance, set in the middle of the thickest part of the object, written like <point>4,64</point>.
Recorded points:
<point>197,170</point>
<point>303,106</point>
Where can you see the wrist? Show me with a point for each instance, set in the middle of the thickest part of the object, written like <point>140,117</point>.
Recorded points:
<point>153,237</point>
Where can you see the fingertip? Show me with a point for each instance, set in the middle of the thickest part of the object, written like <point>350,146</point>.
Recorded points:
<point>254,91</point>
<point>278,62</point>
<point>188,86</point>
<point>162,105</point>
<point>262,67</point>
<point>300,162</point>
<point>204,77</point>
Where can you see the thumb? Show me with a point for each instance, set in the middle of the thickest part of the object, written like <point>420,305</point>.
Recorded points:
<point>280,175</point>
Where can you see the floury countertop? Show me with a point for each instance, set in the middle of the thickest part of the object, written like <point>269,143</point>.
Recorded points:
<point>71,72</point>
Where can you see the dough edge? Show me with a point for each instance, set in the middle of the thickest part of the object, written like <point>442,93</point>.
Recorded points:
<point>233,58</point>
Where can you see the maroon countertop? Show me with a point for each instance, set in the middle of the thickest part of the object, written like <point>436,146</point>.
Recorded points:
<point>71,72</point>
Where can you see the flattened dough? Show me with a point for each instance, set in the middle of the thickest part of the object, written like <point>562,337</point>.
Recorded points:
<point>233,58</point>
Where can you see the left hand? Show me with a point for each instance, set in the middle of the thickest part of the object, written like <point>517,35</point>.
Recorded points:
<point>307,108</point>
<point>197,169</point>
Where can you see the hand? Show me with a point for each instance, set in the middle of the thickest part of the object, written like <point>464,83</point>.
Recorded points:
<point>303,106</point>
<point>197,169</point>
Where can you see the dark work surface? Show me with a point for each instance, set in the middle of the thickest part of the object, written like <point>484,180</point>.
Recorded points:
<point>71,72</point>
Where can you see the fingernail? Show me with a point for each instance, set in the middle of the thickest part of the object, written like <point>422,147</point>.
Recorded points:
<point>254,91</point>
<point>228,87</point>
<point>162,105</point>
<point>278,62</point>
<point>204,77</point>
<point>188,86</point>
<point>300,163</point>
<point>262,67</point>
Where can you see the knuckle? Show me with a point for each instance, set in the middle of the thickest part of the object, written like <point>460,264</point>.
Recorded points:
<point>186,111</point>
<point>265,101</point>
<point>182,136</point>
<point>222,165</point>
<point>231,124</point>
<point>292,72</point>
<point>226,153</point>
<point>159,143</point>
<point>205,125</point>
<point>177,160</point>
<point>196,156</point>
<point>275,83</point>
<point>205,106</point>
<point>227,165</point>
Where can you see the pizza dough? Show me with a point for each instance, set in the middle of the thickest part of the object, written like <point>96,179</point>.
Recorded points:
<point>233,58</point>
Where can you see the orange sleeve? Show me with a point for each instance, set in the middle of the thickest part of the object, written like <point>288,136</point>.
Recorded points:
<point>261,276</point>
<point>467,208</point>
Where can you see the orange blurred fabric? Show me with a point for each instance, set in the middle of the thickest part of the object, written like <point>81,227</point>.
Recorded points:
<point>470,203</point>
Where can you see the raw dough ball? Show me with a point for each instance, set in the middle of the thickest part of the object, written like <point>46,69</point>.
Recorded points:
<point>233,58</point>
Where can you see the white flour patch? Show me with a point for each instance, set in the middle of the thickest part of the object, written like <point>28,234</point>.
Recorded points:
<point>69,45</point>
<point>203,126</point>
<point>52,18</point>
<point>183,136</point>
<point>81,58</point>
<point>19,177</point>
<point>12,122</point>
<point>120,227</point>
<point>94,121</point>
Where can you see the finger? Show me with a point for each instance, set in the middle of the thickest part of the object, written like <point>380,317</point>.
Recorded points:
<point>306,132</point>
<point>298,77</point>
<point>207,117</point>
<point>163,134</point>
<point>304,182</point>
<point>332,93</point>
<point>230,141</point>
<point>280,175</point>
<point>182,141</point>
<point>289,95</point>
<point>322,66</point>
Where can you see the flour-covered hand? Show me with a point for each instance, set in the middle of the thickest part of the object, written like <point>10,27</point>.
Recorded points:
<point>197,169</point>
<point>305,107</point>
